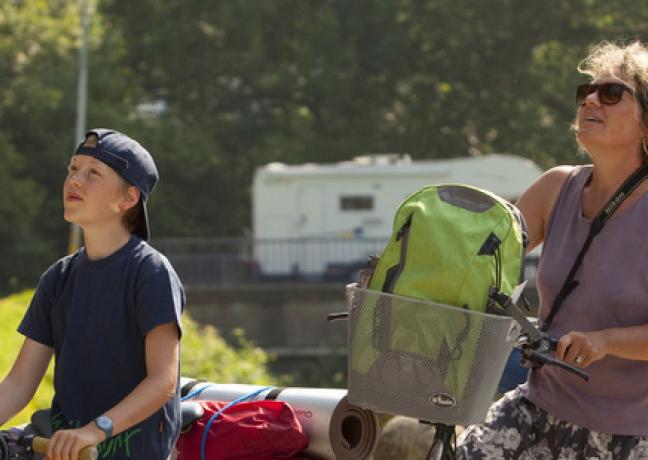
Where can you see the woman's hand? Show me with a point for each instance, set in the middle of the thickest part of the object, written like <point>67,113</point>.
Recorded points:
<point>582,348</point>
<point>66,444</point>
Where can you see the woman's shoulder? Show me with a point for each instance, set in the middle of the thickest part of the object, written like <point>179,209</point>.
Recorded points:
<point>555,177</point>
<point>537,202</point>
<point>549,184</point>
<point>547,187</point>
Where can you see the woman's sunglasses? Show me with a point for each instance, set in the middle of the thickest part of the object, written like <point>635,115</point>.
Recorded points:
<point>608,93</point>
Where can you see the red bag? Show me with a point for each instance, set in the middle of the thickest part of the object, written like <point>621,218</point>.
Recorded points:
<point>250,430</point>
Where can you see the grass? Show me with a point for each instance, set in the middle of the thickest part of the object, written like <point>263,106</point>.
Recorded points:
<point>12,310</point>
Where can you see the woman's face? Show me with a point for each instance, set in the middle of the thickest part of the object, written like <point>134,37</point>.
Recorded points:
<point>605,126</point>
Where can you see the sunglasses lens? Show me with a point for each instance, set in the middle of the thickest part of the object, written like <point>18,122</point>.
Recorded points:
<point>611,93</point>
<point>582,91</point>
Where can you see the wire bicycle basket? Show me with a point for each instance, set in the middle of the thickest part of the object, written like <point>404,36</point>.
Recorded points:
<point>422,359</point>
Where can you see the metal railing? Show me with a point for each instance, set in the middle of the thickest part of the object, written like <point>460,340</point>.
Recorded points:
<point>237,261</point>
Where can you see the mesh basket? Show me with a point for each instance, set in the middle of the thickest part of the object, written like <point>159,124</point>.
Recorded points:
<point>425,360</point>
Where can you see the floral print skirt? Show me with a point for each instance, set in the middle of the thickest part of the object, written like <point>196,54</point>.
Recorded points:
<point>516,429</point>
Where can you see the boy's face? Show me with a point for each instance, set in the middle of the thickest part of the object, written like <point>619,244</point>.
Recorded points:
<point>94,194</point>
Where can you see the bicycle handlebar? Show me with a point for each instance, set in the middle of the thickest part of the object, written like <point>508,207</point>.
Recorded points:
<point>337,316</point>
<point>547,359</point>
<point>538,353</point>
<point>39,445</point>
<point>536,345</point>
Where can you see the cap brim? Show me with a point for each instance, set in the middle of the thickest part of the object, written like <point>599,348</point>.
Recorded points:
<point>142,229</point>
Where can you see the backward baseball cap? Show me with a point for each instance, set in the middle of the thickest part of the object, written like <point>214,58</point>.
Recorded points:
<point>130,160</point>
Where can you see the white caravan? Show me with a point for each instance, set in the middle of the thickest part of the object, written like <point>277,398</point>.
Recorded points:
<point>310,220</point>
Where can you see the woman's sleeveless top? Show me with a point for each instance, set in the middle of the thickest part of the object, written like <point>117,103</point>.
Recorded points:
<point>612,292</point>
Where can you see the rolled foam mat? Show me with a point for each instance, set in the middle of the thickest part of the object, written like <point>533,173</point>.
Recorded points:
<point>336,429</point>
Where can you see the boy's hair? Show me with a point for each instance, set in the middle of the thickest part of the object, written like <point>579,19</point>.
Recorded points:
<point>133,163</point>
<point>132,218</point>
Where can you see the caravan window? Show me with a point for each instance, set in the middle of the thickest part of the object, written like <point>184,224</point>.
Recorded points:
<point>356,203</point>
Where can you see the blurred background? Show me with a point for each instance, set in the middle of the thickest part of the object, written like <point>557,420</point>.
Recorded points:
<point>218,89</point>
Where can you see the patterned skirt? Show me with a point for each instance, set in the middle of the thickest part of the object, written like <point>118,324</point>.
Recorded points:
<point>516,429</point>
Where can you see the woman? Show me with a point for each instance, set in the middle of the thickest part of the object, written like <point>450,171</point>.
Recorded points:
<point>603,322</point>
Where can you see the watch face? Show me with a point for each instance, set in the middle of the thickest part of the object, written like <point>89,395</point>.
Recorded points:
<point>104,423</point>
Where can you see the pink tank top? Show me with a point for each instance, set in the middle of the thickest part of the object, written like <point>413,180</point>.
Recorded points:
<point>612,292</point>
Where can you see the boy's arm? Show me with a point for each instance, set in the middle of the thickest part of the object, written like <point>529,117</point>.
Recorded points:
<point>159,385</point>
<point>162,356</point>
<point>20,384</point>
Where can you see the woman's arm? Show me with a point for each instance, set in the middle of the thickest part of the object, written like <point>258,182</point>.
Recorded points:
<point>623,342</point>
<point>20,384</point>
<point>159,385</point>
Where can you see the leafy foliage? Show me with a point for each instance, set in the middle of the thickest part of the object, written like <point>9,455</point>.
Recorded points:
<point>206,356</point>
<point>12,310</point>
<point>239,84</point>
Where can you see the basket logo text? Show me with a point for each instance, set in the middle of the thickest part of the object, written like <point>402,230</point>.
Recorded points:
<point>443,400</point>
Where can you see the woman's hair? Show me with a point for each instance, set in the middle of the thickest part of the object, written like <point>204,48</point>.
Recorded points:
<point>627,61</point>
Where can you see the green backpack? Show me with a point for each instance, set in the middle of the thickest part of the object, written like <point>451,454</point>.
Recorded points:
<point>451,244</point>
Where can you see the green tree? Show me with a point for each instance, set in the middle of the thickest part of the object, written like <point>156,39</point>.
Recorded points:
<point>243,83</point>
<point>21,200</point>
<point>39,44</point>
<point>34,37</point>
<point>285,80</point>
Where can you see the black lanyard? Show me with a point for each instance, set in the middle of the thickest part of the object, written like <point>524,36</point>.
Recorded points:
<point>597,225</point>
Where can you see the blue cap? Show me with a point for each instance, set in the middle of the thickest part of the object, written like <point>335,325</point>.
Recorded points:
<point>130,160</point>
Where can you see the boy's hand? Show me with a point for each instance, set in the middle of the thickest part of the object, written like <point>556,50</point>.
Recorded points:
<point>66,444</point>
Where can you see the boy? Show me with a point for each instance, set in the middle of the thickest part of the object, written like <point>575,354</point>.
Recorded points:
<point>110,314</point>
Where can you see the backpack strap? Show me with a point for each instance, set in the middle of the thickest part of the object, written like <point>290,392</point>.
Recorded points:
<point>595,228</point>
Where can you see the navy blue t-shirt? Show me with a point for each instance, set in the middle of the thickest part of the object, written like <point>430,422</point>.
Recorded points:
<point>95,314</point>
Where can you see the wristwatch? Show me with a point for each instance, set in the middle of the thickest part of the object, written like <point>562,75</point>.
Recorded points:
<point>104,424</point>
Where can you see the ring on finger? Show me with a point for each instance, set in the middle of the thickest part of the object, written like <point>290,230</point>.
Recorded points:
<point>579,359</point>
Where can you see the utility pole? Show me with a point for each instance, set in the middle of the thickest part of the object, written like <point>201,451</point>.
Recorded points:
<point>82,103</point>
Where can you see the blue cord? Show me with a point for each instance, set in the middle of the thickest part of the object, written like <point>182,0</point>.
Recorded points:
<point>196,392</point>
<point>203,441</point>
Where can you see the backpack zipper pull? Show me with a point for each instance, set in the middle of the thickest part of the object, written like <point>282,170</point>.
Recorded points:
<point>490,246</point>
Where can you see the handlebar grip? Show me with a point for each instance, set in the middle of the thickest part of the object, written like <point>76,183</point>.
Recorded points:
<point>574,370</point>
<point>337,316</point>
<point>39,445</point>
<point>553,345</point>
<point>545,358</point>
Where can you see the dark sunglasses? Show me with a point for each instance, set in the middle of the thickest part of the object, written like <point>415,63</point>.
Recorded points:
<point>608,93</point>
